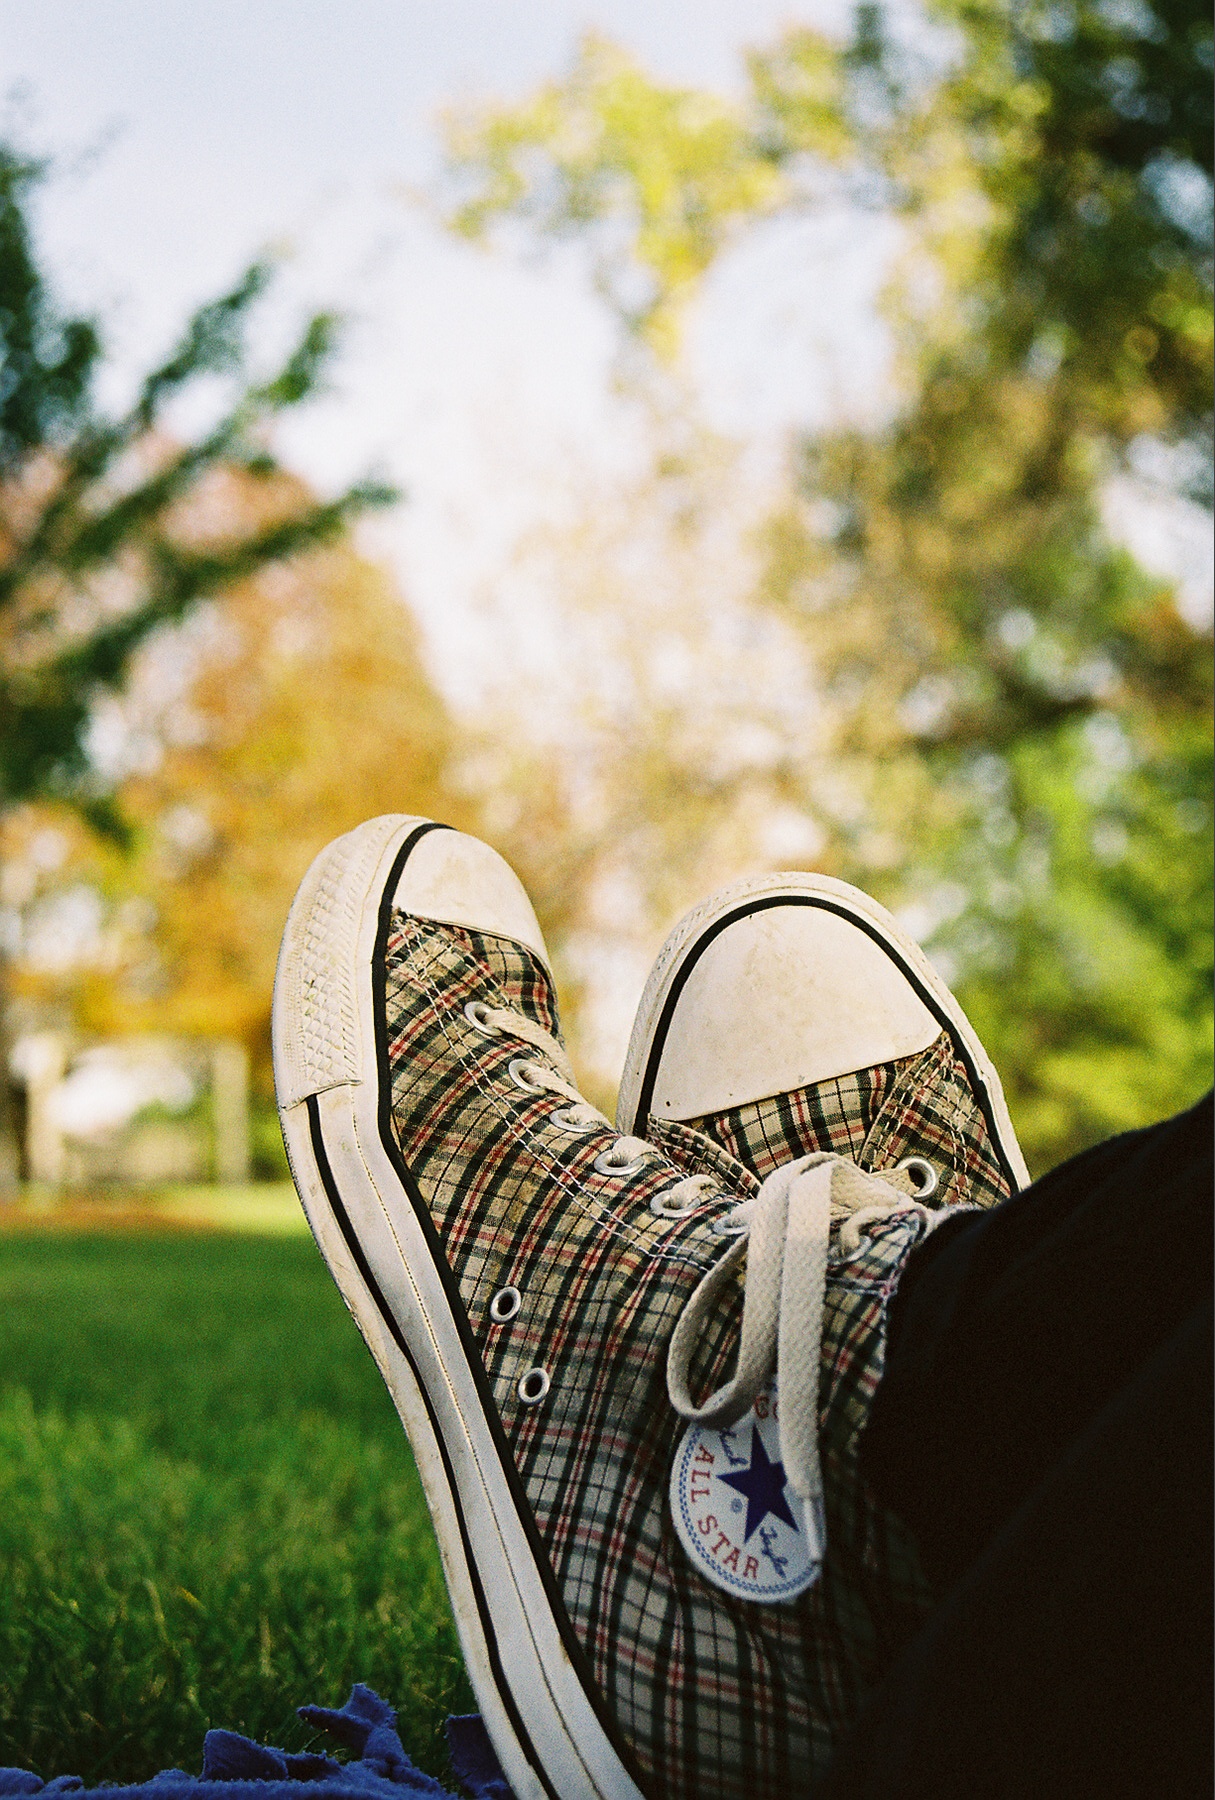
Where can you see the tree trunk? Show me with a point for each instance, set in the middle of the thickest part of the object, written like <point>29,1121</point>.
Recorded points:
<point>12,1094</point>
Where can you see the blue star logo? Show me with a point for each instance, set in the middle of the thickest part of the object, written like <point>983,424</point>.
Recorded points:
<point>763,1488</point>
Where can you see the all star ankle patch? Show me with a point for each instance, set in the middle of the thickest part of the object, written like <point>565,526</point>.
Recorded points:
<point>736,1515</point>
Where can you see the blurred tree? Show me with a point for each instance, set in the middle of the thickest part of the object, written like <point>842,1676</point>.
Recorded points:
<point>91,554</point>
<point>1057,173</point>
<point>100,542</point>
<point>305,711</point>
<point>283,713</point>
<point>1022,723</point>
<point>677,169</point>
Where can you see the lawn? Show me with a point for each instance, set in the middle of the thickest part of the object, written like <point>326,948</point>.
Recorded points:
<point>208,1510</point>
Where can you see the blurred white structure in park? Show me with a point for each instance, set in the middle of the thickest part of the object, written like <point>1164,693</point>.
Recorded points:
<point>136,1110</point>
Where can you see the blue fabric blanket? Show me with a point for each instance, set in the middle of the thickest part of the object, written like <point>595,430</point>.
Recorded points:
<point>366,1725</point>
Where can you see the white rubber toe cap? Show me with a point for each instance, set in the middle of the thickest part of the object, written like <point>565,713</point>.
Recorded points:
<point>458,880</point>
<point>780,999</point>
<point>781,981</point>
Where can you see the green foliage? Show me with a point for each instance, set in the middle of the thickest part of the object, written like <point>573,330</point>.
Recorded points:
<point>1021,717</point>
<point>1067,724</point>
<point>675,168</point>
<point>103,536</point>
<point>1086,943</point>
<point>1089,128</point>
<point>208,1511</point>
<point>48,361</point>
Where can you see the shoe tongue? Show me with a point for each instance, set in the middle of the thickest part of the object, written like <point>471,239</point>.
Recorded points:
<point>521,978</point>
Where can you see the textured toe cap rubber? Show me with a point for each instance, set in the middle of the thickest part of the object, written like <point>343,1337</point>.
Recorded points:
<point>449,877</point>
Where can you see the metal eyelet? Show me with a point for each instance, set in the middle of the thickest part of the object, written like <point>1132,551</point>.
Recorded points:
<point>565,1122</point>
<point>519,1071</point>
<point>476,1013</point>
<point>725,1226</point>
<point>533,1386</point>
<point>505,1304</point>
<point>658,1206</point>
<point>607,1163</point>
<point>922,1173</point>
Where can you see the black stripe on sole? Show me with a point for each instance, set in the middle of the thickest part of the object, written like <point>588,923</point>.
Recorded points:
<point>337,1206</point>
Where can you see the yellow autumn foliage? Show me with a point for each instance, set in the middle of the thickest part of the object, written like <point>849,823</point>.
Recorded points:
<point>306,709</point>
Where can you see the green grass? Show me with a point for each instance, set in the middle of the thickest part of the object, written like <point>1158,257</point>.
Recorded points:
<point>208,1510</point>
<point>270,1209</point>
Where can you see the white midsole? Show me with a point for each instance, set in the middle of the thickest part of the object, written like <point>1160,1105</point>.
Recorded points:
<point>687,936</point>
<point>337,935</point>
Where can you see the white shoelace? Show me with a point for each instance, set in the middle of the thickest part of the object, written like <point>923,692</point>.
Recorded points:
<point>787,1229</point>
<point>494,1020</point>
<point>627,1152</point>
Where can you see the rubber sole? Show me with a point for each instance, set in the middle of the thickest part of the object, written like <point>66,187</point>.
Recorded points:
<point>548,1723</point>
<point>696,931</point>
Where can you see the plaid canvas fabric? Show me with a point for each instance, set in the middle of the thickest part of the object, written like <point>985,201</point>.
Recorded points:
<point>717,1696</point>
<point>922,1105</point>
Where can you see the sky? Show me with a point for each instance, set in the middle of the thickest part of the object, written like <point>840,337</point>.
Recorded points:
<point>191,137</point>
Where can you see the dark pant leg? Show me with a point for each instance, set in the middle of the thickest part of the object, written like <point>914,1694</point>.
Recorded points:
<point>1072,1661</point>
<point>1044,1427</point>
<point>1011,1332</point>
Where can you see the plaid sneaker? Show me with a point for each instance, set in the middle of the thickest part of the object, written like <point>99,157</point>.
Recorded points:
<point>638,1575</point>
<point>789,1020</point>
